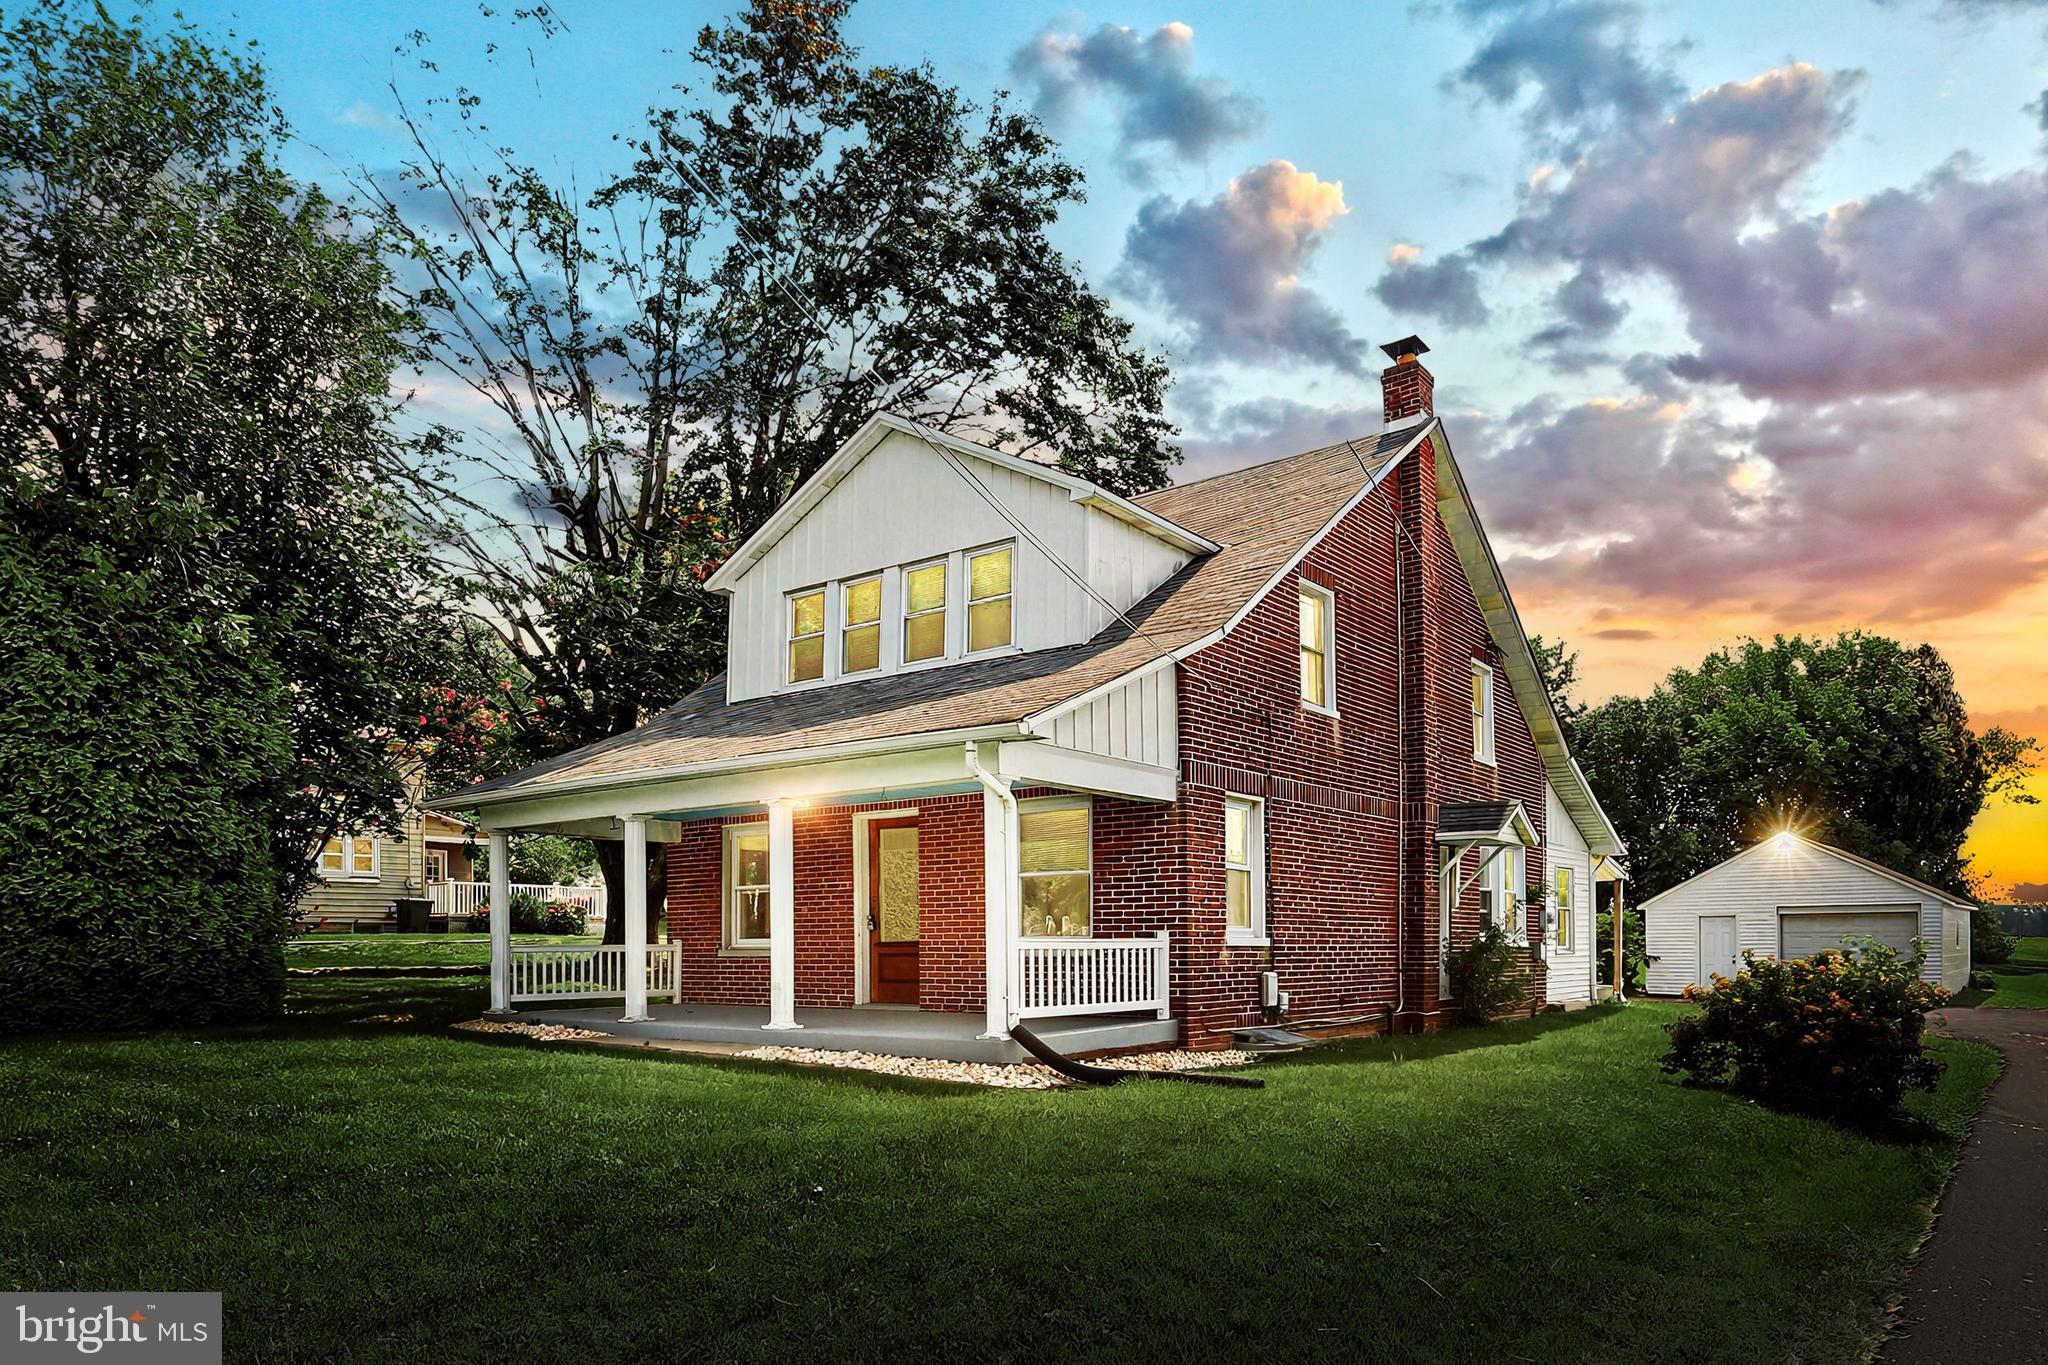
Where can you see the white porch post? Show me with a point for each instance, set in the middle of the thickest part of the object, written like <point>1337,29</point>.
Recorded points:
<point>999,895</point>
<point>636,919</point>
<point>501,922</point>
<point>782,915</point>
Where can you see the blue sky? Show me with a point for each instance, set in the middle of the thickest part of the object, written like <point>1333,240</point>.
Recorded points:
<point>1739,312</point>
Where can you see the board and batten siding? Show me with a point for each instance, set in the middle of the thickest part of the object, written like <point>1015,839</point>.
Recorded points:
<point>1136,720</point>
<point>902,504</point>
<point>1755,884</point>
<point>1571,970</point>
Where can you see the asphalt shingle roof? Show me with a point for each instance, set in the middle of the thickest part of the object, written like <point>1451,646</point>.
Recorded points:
<point>1259,517</point>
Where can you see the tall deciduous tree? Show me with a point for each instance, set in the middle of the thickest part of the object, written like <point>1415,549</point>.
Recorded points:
<point>1858,741</point>
<point>195,365</point>
<point>801,243</point>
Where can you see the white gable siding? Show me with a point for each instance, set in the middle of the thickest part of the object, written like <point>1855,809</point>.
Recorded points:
<point>1753,886</point>
<point>1136,721</point>
<point>1570,971</point>
<point>903,504</point>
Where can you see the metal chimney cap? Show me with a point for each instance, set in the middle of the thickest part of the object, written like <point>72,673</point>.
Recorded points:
<point>1405,346</point>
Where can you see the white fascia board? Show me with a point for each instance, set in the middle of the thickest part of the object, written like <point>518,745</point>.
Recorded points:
<point>856,449</point>
<point>782,758</point>
<point>1055,766</point>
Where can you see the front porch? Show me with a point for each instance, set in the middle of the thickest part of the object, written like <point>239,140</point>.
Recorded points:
<point>895,1030</point>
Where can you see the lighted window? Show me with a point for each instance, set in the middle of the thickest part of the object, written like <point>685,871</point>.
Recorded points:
<point>807,635</point>
<point>1482,712</point>
<point>746,886</point>
<point>1318,647</point>
<point>1244,868</point>
<point>988,600</point>
<point>1564,908</point>
<point>349,855</point>
<point>924,612</point>
<point>1053,869</point>
<point>860,631</point>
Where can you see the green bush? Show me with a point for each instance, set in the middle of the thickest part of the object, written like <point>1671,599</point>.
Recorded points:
<point>144,743</point>
<point>562,917</point>
<point>1989,943</point>
<point>1635,956</point>
<point>1983,981</point>
<point>1487,977</point>
<point>1839,1035</point>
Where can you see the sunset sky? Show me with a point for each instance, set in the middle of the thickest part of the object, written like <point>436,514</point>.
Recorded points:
<point>1739,313</point>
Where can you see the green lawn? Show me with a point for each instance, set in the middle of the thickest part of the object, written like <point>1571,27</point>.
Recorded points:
<point>366,1191</point>
<point>2022,984</point>
<point>404,950</point>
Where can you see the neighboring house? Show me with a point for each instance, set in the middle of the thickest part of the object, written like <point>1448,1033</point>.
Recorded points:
<point>1000,745</point>
<point>1792,897</point>
<point>359,878</point>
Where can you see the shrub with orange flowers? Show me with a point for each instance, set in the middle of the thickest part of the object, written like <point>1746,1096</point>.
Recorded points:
<point>1839,1034</point>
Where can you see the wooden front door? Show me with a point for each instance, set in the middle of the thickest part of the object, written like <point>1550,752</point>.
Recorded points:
<point>892,912</point>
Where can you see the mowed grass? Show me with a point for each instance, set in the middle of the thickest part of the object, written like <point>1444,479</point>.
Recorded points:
<point>404,950</point>
<point>2022,984</point>
<point>378,1191</point>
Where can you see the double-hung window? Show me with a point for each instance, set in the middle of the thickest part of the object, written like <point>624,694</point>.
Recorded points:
<point>1054,869</point>
<point>989,623</point>
<point>924,612</point>
<point>746,886</point>
<point>1564,908</point>
<point>1482,712</point>
<point>1244,869</point>
<point>1496,892</point>
<point>807,635</point>
<point>860,628</point>
<point>1318,647</point>
<point>349,855</point>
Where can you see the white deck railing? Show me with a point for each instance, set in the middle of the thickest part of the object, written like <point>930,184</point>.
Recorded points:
<point>546,971</point>
<point>1091,976</point>
<point>469,898</point>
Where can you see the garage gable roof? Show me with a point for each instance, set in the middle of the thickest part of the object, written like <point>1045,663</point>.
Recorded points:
<point>1925,892</point>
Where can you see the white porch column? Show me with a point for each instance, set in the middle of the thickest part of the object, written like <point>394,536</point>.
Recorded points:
<point>636,919</point>
<point>501,922</point>
<point>782,915</point>
<point>999,895</point>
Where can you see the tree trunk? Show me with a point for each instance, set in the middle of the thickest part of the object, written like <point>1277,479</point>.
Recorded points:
<point>611,863</point>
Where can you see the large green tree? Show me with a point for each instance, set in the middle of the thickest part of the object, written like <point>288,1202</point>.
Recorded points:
<point>196,358</point>
<point>1858,741</point>
<point>798,242</point>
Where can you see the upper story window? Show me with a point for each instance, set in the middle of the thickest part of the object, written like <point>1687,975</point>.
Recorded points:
<point>1318,647</point>
<point>988,600</point>
<point>1244,870</point>
<point>807,635</point>
<point>349,855</point>
<point>1482,712</point>
<point>860,630</point>
<point>924,612</point>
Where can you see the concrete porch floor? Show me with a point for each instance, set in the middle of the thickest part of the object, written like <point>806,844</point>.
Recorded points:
<point>897,1032</point>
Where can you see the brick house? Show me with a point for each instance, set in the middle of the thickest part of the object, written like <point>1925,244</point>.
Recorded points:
<point>996,745</point>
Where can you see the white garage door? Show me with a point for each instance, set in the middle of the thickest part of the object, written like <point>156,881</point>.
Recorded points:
<point>1802,933</point>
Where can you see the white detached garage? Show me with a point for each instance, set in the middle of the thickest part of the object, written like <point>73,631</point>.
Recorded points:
<point>1791,897</point>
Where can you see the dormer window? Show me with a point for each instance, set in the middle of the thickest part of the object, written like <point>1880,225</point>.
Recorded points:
<point>807,635</point>
<point>860,631</point>
<point>988,600</point>
<point>924,612</point>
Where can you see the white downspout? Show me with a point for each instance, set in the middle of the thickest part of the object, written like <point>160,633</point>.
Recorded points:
<point>999,876</point>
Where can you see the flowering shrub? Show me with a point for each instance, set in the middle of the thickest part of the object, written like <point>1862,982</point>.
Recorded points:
<point>1836,1034</point>
<point>531,915</point>
<point>1487,978</point>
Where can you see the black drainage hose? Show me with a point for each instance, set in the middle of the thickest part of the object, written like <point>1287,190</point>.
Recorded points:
<point>1109,1075</point>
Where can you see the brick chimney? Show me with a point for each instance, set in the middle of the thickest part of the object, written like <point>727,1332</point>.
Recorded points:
<point>1407,389</point>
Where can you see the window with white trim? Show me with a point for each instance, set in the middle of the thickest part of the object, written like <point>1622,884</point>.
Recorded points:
<point>860,625</point>
<point>1496,893</point>
<point>1318,646</point>
<point>924,612</point>
<point>807,635</point>
<point>1564,909</point>
<point>1054,867</point>
<point>989,614</point>
<point>349,855</point>
<point>746,885</point>
<point>1244,869</point>
<point>1482,712</point>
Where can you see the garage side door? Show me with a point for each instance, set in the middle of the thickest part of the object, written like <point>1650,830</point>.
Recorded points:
<point>1802,933</point>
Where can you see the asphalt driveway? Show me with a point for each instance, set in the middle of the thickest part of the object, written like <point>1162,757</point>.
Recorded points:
<point>1979,1291</point>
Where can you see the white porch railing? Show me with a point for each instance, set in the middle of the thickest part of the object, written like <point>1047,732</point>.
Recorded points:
<point>546,971</point>
<point>1090,976</point>
<point>469,898</point>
